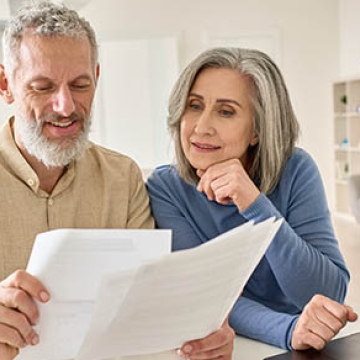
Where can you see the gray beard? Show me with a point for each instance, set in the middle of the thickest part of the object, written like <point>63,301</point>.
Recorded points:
<point>51,153</point>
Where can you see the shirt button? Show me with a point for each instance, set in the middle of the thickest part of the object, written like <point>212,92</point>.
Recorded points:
<point>31,182</point>
<point>50,202</point>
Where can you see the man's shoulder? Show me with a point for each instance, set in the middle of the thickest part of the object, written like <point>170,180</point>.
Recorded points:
<point>103,154</point>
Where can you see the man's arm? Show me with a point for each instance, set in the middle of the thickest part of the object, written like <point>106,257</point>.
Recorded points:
<point>18,312</point>
<point>139,215</point>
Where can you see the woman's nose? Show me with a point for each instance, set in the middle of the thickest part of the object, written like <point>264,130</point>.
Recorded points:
<point>204,123</point>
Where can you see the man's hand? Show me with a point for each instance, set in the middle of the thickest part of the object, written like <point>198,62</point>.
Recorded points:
<point>8,352</point>
<point>18,312</point>
<point>218,345</point>
<point>321,319</point>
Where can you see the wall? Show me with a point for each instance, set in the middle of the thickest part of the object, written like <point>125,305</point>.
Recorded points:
<point>308,38</point>
<point>5,110</point>
<point>349,26</point>
<point>309,47</point>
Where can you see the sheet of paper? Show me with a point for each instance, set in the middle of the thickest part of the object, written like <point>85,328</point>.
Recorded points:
<point>181,296</point>
<point>71,263</point>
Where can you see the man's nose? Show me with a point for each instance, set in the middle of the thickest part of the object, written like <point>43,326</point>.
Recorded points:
<point>63,102</point>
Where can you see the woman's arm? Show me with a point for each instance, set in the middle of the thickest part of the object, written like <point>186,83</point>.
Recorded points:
<point>304,255</point>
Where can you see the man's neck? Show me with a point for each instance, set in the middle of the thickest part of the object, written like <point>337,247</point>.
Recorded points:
<point>48,177</point>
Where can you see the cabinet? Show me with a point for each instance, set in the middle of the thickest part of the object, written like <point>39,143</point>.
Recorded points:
<point>346,139</point>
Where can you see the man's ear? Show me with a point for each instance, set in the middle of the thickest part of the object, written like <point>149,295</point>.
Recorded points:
<point>97,72</point>
<point>5,91</point>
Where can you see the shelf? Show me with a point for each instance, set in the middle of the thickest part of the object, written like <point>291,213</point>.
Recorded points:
<point>344,216</point>
<point>346,121</point>
<point>349,149</point>
<point>347,114</point>
<point>343,182</point>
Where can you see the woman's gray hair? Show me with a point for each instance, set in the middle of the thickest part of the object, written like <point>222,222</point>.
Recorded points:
<point>274,120</point>
<point>46,19</point>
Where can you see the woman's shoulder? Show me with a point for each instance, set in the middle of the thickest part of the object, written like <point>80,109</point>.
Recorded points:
<point>300,158</point>
<point>300,168</point>
<point>165,182</point>
<point>164,173</point>
<point>165,176</point>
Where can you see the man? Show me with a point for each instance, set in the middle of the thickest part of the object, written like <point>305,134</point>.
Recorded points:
<point>51,176</point>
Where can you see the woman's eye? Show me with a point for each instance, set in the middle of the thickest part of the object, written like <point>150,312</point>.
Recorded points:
<point>226,113</point>
<point>195,106</point>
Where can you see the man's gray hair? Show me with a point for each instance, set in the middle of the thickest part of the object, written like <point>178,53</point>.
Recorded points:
<point>46,19</point>
<point>274,119</point>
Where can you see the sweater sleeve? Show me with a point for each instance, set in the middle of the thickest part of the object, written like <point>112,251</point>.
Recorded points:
<point>304,258</point>
<point>304,255</point>
<point>167,211</point>
<point>256,321</point>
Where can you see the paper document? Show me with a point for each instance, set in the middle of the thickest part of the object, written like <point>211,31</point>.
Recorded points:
<point>158,305</point>
<point>71,263</point>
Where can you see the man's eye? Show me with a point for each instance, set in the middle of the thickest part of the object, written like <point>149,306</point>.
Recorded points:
<point>81,86</point>
<point>42,88</point>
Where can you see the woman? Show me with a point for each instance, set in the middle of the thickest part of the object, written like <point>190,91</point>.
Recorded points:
<point>235,131</point>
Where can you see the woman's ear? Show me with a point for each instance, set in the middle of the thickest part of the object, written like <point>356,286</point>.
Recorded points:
<point>5,91</point>
<point>254,140</point>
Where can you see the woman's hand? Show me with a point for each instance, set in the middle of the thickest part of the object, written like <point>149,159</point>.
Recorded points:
<point>218,345</point>
<point>321,319</point>
<point>228,181</point>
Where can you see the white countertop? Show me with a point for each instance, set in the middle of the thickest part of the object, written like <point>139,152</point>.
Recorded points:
<point>247,349</point>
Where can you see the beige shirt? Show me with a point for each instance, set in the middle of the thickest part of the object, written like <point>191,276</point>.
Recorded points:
<point>103,189</point>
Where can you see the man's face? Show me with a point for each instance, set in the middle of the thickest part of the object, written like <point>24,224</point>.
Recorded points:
<point>53,87</point>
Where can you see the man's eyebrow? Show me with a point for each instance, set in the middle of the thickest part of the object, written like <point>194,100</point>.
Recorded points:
<point>83,76</point>
<point>45,78</point>
<point>39,78</point>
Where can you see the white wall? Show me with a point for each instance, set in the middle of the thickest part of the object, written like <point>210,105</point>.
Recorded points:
<point>349,24</point>
<point>5,110</point>
<point>142,73</point>
<point>309,47</point>
<point>308,37</point>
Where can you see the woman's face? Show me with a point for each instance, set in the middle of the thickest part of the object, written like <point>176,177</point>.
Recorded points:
<point>217,123</point>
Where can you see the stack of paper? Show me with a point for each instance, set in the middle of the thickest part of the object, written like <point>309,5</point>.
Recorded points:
<point>148,308</point>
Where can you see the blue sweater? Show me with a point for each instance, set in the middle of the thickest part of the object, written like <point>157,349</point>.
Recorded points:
<point>302,260</point>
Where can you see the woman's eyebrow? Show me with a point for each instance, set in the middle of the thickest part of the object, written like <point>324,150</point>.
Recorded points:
<point>196,95</point>
<point>229,101</point>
